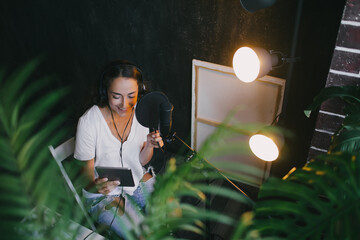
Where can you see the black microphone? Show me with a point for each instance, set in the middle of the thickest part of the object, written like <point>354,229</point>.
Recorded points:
<point>166,109</point>
<point>154,109</point>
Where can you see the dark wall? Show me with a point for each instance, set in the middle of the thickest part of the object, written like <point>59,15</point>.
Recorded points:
<point>319,25</point>
<point>77,38</point>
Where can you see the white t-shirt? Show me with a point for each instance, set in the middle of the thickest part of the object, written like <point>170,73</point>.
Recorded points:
<point>95,140</point>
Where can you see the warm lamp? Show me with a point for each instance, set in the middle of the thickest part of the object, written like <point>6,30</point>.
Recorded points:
<point>266,145</point>
<point>252,63</point>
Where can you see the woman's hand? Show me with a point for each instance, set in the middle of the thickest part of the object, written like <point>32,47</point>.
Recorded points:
<point>154,140</point>
<point>104,186</point>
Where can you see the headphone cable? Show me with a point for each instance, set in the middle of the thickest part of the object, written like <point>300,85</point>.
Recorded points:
<point>121,159</point>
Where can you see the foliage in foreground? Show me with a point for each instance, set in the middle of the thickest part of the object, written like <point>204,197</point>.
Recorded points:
<point>167,214</point>
<point>322,199</point>
<point>32,190</point>
<point>319,201</point>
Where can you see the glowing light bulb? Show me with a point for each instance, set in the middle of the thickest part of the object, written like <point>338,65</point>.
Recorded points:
<point>246,64</point>
<point>264,147</point>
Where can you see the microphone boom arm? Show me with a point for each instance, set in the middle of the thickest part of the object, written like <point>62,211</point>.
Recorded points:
<point>173,136</point>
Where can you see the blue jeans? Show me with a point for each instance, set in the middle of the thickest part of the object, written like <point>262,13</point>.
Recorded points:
<point>134,206</point>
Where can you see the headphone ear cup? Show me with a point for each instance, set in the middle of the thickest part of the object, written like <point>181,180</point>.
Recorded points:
<point>143,87</point>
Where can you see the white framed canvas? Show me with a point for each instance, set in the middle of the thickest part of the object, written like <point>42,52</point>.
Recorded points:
<point>216,91</point>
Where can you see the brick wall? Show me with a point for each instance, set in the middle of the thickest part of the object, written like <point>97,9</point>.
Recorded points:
<point>344,70</point>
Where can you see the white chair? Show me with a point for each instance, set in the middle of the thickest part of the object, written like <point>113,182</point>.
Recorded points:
<point>60,153</point>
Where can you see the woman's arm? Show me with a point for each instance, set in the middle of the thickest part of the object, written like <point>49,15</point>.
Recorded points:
<point>88,172</point>
<point>154,140</point>
<point>102,185</point>
<point>146,154</point>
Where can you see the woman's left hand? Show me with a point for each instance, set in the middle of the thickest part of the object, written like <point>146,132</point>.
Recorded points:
<point>154,140</point>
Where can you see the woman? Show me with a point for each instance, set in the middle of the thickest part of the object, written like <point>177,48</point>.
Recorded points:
<point>109,135</point>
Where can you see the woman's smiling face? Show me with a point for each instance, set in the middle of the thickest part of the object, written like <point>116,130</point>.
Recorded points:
<point>122,95</point>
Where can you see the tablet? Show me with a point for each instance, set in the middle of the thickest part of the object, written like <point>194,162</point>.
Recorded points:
<point>124,175</point>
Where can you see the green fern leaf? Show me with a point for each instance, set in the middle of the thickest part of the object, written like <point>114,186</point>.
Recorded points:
<point>30,179</point>
<point>312,201</point>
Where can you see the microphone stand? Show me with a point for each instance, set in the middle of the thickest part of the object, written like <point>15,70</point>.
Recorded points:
<point>172,138</point>
<point>193,153</point>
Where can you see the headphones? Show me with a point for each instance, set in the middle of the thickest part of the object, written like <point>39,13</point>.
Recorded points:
<point>124,68</point>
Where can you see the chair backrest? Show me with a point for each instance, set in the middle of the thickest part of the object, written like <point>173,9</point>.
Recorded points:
<point>64,150</point>
<point>60,153</point>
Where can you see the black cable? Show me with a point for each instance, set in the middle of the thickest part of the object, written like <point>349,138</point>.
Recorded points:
<point>117,131</point>
<point>121,159</point>
<point>117,208</point>
<point>88,235</point>
<point>217,169</point>
<point>122,163</point>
